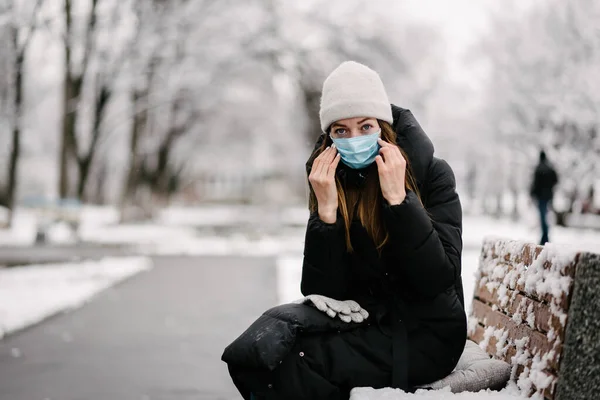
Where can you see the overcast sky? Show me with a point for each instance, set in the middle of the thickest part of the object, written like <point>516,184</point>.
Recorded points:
<point>462,23</point>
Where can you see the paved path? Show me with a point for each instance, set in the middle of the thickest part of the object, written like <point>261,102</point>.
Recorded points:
<point>21,255</point>
<point>159,335</point>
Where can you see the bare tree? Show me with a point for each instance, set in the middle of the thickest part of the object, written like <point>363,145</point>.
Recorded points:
<point>73,86</point>
<point>20,30</point>
<point>188,58</point>
<point>169,91</point>
<point>108,68</point>
<point>544,90</point>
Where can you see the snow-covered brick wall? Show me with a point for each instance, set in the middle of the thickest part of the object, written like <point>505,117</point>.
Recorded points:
<point>519,311</point>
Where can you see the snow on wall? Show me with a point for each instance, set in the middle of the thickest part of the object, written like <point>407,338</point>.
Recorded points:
<point>514,265</point>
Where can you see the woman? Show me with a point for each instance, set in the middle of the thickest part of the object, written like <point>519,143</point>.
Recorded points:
<point>385,232</point>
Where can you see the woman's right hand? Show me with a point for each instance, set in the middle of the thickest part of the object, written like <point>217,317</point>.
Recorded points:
<point>322,180</point>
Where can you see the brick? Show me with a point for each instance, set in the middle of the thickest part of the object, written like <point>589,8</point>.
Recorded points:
<point>538,342</point>
<point>518,303</point>
<point>511,352</point>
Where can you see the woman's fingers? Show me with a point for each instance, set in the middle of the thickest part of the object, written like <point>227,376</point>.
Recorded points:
<point>387,153</point>
<point>357,317</point>
<point>328,157</point>
<point>333,166</point>
<point>318,165</point>
<point>331,313</point>
<point>383,143</point>
<point>364,313</point>
<point>320,304</point>
<point>391,153</point>
<point>354,306</point>
<point>339,307</point>
<point>346,318</point>
<point>322,163</point>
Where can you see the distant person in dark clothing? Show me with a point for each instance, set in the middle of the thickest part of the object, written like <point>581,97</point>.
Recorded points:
<point>542,190</point>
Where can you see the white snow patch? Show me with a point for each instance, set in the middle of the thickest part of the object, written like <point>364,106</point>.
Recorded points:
<point>98,215</point>
<point>289,274</point>
<point>509,393</point>
<point>477,228</point>
<point>502,343</point>
<point>530,316</point>
<point>30,294</point>
<point>206,216</point>
<point>503,295</point>
<point>472,324</point>
<point>152,239</point>
<point>542,280</point>
<point>61,233</point>
<point>22,231</point>
<point>470,270</point>
<point>487,335</point>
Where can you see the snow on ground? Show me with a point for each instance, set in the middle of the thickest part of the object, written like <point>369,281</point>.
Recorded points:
<point>176,230</point>
<point>30,294</point>
<point>22,232</point>
<point>475,229</point>
<point>27,220</point>
<point>470,263</point>
<point>98,215</point>
<point>176,240</point>
<point>170,238</point>
<point>289,274</point>
<point>206,216</point>
<point>510,393</point>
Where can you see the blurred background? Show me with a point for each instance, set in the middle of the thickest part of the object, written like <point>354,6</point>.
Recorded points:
<point>170,137</point>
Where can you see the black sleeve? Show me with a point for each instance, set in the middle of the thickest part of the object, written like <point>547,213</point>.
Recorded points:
<point>535,183</point>
<point>428,242</point>
<point>324,269</point>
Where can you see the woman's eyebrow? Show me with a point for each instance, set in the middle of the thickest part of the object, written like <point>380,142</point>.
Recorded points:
<point>338,125</point>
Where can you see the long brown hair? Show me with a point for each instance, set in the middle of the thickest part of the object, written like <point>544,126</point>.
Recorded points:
<point>365,202</point>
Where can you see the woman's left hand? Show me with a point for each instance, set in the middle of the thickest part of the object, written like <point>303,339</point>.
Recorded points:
<point>391,166</point>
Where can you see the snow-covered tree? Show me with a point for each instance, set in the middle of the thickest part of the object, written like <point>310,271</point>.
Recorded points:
<point>18,22</point>
<point>153,96</point>
<point>544,90</point>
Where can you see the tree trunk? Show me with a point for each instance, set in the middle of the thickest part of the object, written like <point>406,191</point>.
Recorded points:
<point>140,116</point>
<point>85,163</point>
<point>68,118</point>
<point>16,132</point>
<point>312,98</point>
<point>84,172</point>
<point>73,85</point>
<point>99,196</point>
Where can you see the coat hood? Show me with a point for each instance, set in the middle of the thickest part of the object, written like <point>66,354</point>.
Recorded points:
<point>411,138</point>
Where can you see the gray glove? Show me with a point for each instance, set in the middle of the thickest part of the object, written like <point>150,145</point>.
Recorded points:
<point>348,310</point>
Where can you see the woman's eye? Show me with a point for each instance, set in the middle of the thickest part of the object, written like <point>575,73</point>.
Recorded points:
<point>366,127</point>
<point>340,131</point>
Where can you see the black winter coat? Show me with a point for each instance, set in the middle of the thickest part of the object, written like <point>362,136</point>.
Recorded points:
<point>544,180</point>
<point>417,326</point>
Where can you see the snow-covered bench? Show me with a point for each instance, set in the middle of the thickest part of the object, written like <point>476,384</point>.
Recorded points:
<point>538,308</point>
<point>535,308</point>
<point>48,212</point>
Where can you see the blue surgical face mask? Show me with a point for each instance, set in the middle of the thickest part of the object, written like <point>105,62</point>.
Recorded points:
<point>360,151</point>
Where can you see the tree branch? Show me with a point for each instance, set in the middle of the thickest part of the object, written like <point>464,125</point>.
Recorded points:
<point>89,38</point>
<point>31,27</point>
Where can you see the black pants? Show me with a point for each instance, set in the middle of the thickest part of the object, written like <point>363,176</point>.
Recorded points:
<point>326,366</point>
<point>543,209</point>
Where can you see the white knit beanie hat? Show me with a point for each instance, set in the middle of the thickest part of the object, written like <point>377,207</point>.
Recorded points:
<point>353,90</point>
